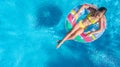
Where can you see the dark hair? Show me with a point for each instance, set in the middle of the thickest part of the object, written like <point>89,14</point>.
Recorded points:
<point>101,9</point>
<point>93,10</point>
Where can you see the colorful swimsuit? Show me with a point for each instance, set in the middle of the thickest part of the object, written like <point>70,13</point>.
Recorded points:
<point>89,18</point>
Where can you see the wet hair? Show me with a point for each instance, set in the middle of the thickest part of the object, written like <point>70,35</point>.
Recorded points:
<point>93,10</point>
<point>101,9</point>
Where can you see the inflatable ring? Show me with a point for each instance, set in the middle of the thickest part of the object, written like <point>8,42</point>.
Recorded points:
<point>83,38</point>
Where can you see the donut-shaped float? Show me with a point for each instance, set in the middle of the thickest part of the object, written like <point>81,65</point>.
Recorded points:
<point>83,38</point>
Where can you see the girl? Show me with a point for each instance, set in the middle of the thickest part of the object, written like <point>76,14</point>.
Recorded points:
<point>95,15</point>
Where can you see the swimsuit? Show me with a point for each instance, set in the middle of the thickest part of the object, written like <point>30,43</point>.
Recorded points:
<point>81,24</point>
<point>89,18</point>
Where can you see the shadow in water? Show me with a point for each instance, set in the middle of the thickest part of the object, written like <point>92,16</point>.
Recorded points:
<point>48,15</point>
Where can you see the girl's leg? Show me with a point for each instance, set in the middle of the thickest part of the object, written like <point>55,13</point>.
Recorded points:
<point>70,38</point>
<point>77,32</point>
<point>69,34</point>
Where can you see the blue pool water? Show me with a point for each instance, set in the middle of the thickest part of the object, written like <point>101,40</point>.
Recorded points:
<point>29,30</point>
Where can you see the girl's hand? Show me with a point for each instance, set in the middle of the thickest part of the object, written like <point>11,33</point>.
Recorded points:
<point>89,34</point>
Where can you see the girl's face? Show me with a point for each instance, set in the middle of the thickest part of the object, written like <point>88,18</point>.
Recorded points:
<point>99,14</point>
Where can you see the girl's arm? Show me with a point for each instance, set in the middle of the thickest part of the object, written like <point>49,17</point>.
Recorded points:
<point>101,26</point>
<point>82,7</point>
<point>85,6</point>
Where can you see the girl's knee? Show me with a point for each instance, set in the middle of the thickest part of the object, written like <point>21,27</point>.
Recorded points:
<point>74,29</point>
<point>72,37</point>
<point>79,31</point>
<point>76,26</point>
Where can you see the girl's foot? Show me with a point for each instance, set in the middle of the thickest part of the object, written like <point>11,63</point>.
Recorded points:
<point>58,41</point>
<point>58,45</point>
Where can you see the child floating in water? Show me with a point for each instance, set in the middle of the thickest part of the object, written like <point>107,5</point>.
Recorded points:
<point>95,15</point>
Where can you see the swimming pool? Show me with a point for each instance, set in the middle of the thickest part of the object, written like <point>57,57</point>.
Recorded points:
<point>29,30</point>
